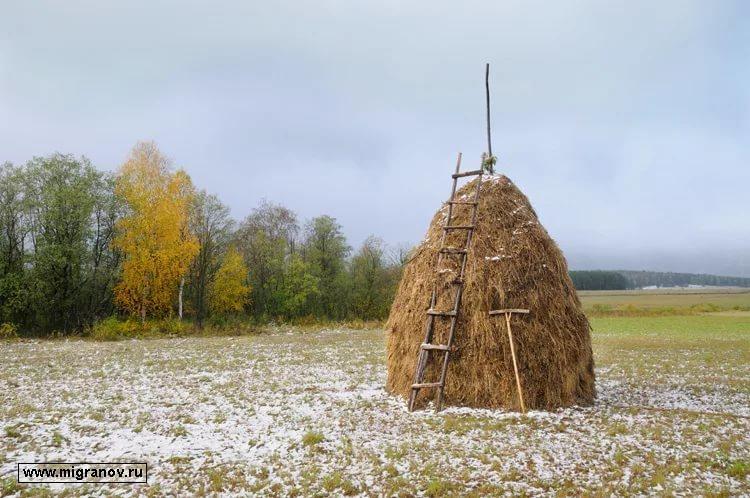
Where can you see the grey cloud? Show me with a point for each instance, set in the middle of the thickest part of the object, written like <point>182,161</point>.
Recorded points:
<point>626,123</point>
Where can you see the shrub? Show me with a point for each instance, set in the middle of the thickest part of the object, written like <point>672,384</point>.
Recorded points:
<point>8,331</point>
<point>114,329</point>
<point>228,321</point>
<point>705,308</point>
<point>170,326</point>
<point>232,325</point>
<point>602,308</point>
<point>218,321</point>
<point>305,321</point>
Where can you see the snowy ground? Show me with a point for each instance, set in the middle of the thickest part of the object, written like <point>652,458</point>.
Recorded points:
<point>305,414</point>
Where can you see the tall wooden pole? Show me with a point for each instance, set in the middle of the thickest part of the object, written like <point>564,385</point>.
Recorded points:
<point>489,138</point>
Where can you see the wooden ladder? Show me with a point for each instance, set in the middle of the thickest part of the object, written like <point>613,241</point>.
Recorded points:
<point>458,283</point>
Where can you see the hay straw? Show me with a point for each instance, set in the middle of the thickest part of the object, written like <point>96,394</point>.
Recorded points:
<point>513,263</point>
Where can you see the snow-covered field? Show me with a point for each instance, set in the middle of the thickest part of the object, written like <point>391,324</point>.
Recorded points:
<point>292,413</point>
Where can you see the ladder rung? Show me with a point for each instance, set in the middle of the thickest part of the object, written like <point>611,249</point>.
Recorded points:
<point>459,227</point>
<point>475,172</point>
<point>441,313</point>
<point>452,250</point>
<point>426,384</point>
<point>435,347</point>
<point>471,203</point>
<point>455,281</point>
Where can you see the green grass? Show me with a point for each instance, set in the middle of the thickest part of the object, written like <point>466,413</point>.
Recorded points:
<point>312,438</point>
<point>739,469</point>
<point>9,486</point>
<point>675,300</point>
<point>655,340</point>
<point>336,481</point>
<point>439,487</point>
<point>714,325</point>
<point>12,431</point>
<point>704,354</point>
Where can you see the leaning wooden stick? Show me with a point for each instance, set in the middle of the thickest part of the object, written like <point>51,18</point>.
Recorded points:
<point>515,364</point>
<point>508,313</point>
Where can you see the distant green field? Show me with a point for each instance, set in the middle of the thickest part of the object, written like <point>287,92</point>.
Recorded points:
<point>665,300</point>
<point>677,327</point>
<point>670,320</point>
<point>628,324</point>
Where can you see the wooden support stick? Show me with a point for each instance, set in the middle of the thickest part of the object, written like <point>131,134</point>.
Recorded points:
<point>487,89</point>
<point>515,365</point>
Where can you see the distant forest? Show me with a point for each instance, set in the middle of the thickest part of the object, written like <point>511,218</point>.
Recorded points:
<point>626,279</point>
<point>599,280</point>
<point>79,246</point>
<point>667,279</point>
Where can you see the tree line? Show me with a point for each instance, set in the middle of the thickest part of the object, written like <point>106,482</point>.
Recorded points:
<point>598,280</point>
<point>78,245</point>
<point>639,279</point>
<point>625,279</point>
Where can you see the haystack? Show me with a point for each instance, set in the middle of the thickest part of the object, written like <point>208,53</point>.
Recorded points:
<point>512,263</point>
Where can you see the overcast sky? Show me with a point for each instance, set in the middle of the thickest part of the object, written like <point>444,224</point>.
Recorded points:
<point>626,123</point>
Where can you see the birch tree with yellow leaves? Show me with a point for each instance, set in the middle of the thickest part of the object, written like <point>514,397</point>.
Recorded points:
<point>229,291</point>
<point>153,235</point>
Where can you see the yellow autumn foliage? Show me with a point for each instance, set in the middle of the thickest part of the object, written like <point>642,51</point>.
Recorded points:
<point>229,291</point>
<point>153,236</point>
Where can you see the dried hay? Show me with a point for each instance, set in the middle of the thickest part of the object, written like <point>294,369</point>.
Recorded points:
<point>512,263</point>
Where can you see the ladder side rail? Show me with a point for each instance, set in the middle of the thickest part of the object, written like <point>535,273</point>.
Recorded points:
<point>446,357</point>
<point>457,302</point>
<point>429,329</point>
<point>451,335</point>
<point>429,332</point>
<point>433,298</point>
